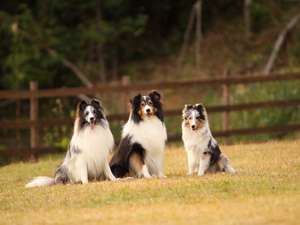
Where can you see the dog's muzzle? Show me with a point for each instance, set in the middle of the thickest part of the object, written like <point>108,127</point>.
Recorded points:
<point>148,110</point>
<point>92,122</point>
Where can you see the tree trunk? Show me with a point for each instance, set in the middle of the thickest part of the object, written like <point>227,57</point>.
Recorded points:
<point>187,35</point>
<point>75,69</point>
<point>279,42</point>
<point>79,74</point>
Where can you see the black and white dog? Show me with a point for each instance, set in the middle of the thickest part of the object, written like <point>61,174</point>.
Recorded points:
<point>87,157</point>
<point>141,150</point>
<point>203,152</point>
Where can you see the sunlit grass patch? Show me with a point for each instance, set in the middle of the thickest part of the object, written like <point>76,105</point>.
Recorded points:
<point>264,191</point>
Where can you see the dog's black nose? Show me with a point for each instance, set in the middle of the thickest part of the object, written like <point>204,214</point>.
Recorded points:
<point>92,119</point>
<point>148,110</point>
<point>193,126</point>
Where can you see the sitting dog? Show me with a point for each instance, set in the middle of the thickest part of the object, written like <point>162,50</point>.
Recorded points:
<point>87,157</point>
<point>141,150</point>
<point>203,152</point>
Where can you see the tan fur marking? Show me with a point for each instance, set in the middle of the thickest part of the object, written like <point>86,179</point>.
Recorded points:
<point>199,123</point>
<point>141,111</point>
<point>77,120</point>
<point>136,164</point>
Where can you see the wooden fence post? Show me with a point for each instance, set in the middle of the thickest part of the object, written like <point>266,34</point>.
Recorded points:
<point>34,130</point>
<point>226,101</point>
<point>125,95</point>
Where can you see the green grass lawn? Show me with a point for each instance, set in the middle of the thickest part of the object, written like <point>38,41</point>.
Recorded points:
<point>266,190</point>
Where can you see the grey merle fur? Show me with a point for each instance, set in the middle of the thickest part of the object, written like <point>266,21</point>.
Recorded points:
<point>214,151</point>
<point>98,108</point>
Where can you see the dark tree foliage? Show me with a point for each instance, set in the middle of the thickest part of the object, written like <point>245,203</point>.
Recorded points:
<point>98,37</point>
<point>82,32</point>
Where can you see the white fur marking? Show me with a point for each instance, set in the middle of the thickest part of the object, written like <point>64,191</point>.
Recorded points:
<point>203,164</point>
<point>151,134</point>
<point>195,144</point>
<point>40,182</point>
<point>89,113</point>
<point>194,117</point>
<point>145,172</point>
<point>95,145</point>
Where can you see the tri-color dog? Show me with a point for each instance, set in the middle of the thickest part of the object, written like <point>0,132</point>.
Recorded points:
<point>203,152</point>
<point>87,157</point>
<point>141,150</point>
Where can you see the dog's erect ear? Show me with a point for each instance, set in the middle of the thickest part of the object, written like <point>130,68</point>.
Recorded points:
<point>199,107</point>
<point>135,101</point>
<point>154,95</point>
<point>187,107</point>
<point>82,105</point>
<point>96,103</point>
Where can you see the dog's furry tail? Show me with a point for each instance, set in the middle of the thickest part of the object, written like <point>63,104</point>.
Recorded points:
<point>40,182</point>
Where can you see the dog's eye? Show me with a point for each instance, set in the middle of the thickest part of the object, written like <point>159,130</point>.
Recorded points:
<point>143,104</point>
<point>86,113</point>
<point>94,111</point>
<point>150,103</point>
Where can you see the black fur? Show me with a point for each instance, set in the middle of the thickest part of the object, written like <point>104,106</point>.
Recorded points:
<point>200,109</point>
<point>135,106</point>
<point>119,163</point>
<point>99,110</point>
<point>136,103</point>
<point>215,152</point>
<point>188,107</point>
<point>82,105</point>
<point>155,97</point>
<point>97,106</point>
<point>81,108</point>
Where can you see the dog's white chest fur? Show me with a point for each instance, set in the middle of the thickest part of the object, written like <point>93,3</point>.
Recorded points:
<point>195,140</point>
<point>150,132</point>
<point>152,135</point>
<point>93,148</point>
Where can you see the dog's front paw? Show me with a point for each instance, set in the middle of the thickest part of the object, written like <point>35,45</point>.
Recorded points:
<point>147,176</point>
<point>162,176</point>
<point>126,178</point>
<point>231,170</point>
<point>200,174</point>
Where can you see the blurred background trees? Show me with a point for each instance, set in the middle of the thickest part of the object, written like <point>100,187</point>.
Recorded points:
<point>70,42</point>
<point>52,41</point>
<point>84,42</point>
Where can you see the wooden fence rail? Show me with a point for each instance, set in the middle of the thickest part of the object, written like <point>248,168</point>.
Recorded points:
<point>65,92</point>
<point>35,123</point>
<point>123,116</point>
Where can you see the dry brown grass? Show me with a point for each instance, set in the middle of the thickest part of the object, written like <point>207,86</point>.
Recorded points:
<point>265,191</point>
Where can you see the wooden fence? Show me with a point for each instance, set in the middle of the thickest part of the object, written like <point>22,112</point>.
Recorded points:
<point>35,123</point>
